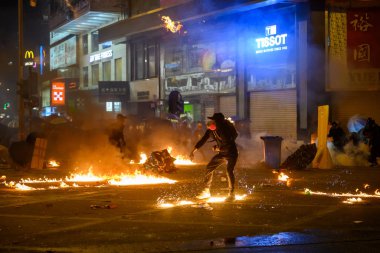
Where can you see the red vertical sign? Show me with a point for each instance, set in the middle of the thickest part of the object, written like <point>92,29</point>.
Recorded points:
<point>363,40</point>
<point>57,93</point>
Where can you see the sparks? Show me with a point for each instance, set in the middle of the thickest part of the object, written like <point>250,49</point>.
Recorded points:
<point>219,199</point>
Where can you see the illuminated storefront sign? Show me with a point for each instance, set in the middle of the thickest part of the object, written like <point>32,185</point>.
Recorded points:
<point>100,56</point>
<point>29,58</point>
<point>57,93</point>
<point>272,41</point>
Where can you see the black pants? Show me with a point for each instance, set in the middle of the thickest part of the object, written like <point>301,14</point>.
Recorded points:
<point>217,160</point>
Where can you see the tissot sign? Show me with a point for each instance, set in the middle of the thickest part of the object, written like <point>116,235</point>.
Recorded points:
<point>273,41</point>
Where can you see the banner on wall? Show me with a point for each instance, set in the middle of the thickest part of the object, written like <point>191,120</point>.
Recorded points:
<point>363,51</point>
<point>363,40</point>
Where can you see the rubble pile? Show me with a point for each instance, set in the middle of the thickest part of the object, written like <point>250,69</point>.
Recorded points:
<point>301,158</point>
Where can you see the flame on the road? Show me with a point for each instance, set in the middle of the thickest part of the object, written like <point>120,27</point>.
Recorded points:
<point>352,200</point>
<point>352,197</point>
<point>88,177</point>
<point>139,179</point>
<point>180,159</point>
<point>53,164</point>
<point>170,25</point>
<point>219,199</point>
<point>283,177</point>
<point>143,158</point>
<point>79,180</point>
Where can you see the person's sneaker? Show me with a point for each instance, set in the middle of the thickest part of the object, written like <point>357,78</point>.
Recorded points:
<point>230,198</point>
<point>204,194</point>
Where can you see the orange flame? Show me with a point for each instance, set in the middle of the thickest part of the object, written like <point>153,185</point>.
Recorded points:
<point>170,25</point>
<point>283,177</point>
<point>53,164</point>
<point>136,178</point>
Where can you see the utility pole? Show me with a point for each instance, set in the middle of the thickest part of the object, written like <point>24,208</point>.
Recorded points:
<point>21,116</point>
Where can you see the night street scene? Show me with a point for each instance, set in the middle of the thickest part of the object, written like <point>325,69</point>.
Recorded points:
<point>190,126</point>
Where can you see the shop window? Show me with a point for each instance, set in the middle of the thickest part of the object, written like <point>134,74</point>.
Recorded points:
<point>144,60</point>
<point>152,60</point>
<point>85,44</point>
<point>113,106</point>
<point>94,41</point>
<point>118,69</point>
<point>95,74</point>
<point>107,71</point>
<point>117,106</point>
<point>108,106</point>
<point>85,76</point>
<point>174,58</point>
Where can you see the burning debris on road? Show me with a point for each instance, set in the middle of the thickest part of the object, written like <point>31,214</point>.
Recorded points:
<point>160,161</point>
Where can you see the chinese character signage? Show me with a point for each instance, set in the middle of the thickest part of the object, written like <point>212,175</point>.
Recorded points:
<point>363,39</point>
<point>57,93</point>
<point>113,91</point>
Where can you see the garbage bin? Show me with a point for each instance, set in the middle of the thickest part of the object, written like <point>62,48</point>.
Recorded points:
<point>272,150</point>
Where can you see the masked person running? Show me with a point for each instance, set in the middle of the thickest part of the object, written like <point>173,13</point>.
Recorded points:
<point>224,134</point>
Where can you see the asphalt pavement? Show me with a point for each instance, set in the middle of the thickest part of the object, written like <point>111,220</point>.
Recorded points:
<point>314,210</point>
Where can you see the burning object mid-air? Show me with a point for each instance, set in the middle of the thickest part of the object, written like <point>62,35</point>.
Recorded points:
<point>170,25</point>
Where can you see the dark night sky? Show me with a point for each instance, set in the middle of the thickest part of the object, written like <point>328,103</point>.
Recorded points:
<point>35,34</point>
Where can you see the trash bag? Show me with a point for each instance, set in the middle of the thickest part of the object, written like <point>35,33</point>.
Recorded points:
<point>160,161</point>
<point>301,158</point>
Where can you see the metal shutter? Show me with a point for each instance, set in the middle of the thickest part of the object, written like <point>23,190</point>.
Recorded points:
<point>274,113</point>
<point>209,111</point>
<point>344,105</point>
<point>227,105</point>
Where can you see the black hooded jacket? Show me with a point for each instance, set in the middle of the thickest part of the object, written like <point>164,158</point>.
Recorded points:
<point>224,135</point>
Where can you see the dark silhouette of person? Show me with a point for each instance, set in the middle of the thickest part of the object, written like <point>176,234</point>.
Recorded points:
<point>372,132</point>
<point>116,133</point>
<point>338,135</point>
<point>224,134</point>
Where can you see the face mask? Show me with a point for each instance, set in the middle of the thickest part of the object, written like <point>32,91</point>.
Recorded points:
<point>212,127</point>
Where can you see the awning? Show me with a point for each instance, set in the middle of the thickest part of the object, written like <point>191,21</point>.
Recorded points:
<point>87,22</point>
<point>189,11</point>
